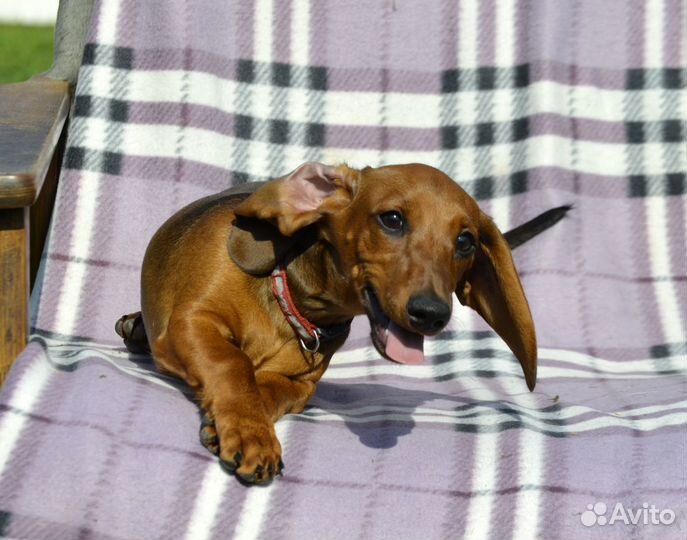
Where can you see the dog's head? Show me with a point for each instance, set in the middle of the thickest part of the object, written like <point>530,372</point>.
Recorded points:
<point>407,238</point>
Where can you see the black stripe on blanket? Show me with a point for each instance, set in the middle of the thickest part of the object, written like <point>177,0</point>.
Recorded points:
<point>663,357</point>
<point>66,338</point>
<point>5,518</point>
<point>668,349</point>
<point>667,131</point>
<point>281,74</point>
<point>79,158</point>
<point>116,57</point>
<point>485,78</point>
<point>655,78</point>
<point>673,184</point>
<point>395,428</point>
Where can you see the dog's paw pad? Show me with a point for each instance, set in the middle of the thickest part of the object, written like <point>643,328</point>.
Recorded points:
<point>261,475</point>
<point>250,450</point>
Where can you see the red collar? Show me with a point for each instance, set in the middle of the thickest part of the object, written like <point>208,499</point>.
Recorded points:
<point>308,334</point>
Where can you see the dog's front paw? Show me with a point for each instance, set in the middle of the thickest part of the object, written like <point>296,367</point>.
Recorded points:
<point>246,445</point>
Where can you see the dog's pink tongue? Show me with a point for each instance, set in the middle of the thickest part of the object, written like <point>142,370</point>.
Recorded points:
<point>403,346</point>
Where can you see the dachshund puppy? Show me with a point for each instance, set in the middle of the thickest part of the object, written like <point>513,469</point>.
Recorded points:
<point>247,294</point>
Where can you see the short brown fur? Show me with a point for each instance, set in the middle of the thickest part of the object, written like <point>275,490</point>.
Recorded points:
<point>211,318</point>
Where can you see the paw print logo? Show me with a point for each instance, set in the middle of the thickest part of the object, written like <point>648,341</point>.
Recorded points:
<point>594,515</point>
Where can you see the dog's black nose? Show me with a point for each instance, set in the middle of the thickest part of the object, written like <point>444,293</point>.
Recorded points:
<point>427,313</point>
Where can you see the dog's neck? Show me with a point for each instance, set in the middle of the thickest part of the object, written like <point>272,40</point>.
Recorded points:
<point>321,292</point>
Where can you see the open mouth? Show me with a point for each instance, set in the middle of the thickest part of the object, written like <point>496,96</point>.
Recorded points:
<point>392,341</point>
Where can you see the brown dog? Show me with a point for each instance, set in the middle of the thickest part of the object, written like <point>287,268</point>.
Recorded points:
<point>247,294</point>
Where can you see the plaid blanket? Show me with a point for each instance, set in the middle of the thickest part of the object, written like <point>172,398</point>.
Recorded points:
<point>528,105</point>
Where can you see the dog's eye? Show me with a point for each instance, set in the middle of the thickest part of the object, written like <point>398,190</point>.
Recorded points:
<point>392,221</point>
<point>465,245</point>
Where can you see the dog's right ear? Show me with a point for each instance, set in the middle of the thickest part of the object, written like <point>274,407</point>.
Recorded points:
<point>268,221</point>
<point>492,288</point>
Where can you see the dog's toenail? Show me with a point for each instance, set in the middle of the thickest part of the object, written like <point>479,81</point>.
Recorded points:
<point>208,439</point>
<point>228,466</point>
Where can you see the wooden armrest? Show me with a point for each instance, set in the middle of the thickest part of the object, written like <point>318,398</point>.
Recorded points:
<point>32,116</point>
<point>32,120</point>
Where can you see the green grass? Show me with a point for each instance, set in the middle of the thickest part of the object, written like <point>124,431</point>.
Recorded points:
<point>25,51</point>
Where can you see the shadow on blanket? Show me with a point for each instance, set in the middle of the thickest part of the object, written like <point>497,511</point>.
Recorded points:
<point>380,414</point>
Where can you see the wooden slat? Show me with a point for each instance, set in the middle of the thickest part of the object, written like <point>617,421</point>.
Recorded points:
<point>32,119</point>
<point>14,287</point>
<point>41,211</point>
<point>32,115</point>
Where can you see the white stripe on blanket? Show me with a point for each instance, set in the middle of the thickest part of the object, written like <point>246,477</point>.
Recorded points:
<point>81,233</point>
<point>588,366</point>
<point>362,414</point>
<point>23,399</point>
<point>358,108</point>
<point>605,159</point>
<point>255,510</point>
<point>208,502</point>
<point>107,27</point>
<point>496,407</point>
<point>507,369</point>
<point>463,347</point>
<point>659,256</point>
<point>531,459</point>
<point>497,420</point>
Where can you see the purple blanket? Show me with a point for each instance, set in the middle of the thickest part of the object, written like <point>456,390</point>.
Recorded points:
<point>528,105</point>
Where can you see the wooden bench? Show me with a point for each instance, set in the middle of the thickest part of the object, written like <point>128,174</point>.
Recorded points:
<point>33,121</point>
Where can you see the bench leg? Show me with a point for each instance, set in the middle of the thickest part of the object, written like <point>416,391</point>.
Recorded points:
<point>14,287</point>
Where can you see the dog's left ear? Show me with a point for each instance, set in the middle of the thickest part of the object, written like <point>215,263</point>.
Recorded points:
<point>493,289</point>
<point>268,222</point>
<point>300,198</point>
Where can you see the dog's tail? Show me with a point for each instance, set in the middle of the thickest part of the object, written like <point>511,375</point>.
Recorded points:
<point>533,227</point>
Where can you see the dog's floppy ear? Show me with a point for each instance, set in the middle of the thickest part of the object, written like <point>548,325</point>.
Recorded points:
<point>268,222</point>
<point>300,198</point>
<point>493,289</point>
<point>256,245</point>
